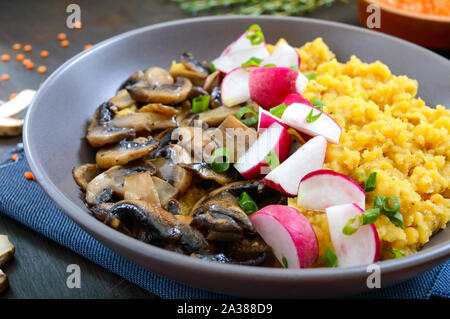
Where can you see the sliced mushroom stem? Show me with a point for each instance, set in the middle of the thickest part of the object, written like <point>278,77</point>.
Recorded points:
<point>7,249</point>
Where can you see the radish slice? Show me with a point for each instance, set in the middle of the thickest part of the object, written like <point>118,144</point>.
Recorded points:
<point>235,59</point>
<point>266,119</point>
<point>306,159</point>
<point>289,233</point>
<point>253,164</point>
<point>234,88</point>
<point>283,55</point>
<point>360,248</point>
<point>296,98</point>
<point>242,43</point>
<point>295,116</point>
<point>270,86</point>
<point>324,188</point>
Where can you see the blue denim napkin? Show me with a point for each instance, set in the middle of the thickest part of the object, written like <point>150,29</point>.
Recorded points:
<point>24,201</point>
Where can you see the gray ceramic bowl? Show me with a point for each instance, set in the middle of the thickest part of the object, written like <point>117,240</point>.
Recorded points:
<point>56,122</point>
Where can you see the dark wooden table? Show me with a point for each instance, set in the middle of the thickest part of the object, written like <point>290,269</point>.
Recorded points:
<point>39,267</point>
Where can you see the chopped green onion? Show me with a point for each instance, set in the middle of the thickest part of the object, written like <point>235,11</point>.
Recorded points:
<point>200,103</point>
<point>396,253</point>
<point>284,260</point>
<point>256,37</point>
<point>294,67</point>
<point>311,118</point>
<point>247,120</point>
<point>212,67</point>
<point>378,201</point>
<point>224,163</point>
<point>278,110</point>
<point>311,76</point>
<point>361,174</point>
<point>272,160</point>
<point>349,229</point>
<point>317,103</point>
<point>387,205</point>
<point>247,204</point>
<point>270,65</point>
<point>370,184</point>
<point>252,62</point>
<point>330,259</point>
<point>396,219</point>
<point>370,216</point>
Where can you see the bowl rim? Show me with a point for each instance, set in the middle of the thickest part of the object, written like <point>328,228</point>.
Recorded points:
<point>409,14</point>
<point>97,229</point>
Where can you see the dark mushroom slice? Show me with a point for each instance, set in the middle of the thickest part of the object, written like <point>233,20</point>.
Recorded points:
<point>166,94</point>
<point>85,173</point>
<point>166,192</point>
<point>190,63</point>
<point>216,98</point>
<point>197,91</point>
<point>219,213</point>
<point>125,152</point>
<point>100,130</point>
<point>136,77</point>
<point>212,81</point>
<point>196,141</point>
<point>122,99</point>
<point>158,76</point>
<point>204,171</point>
<point>174,207</point>
<point>159,108</point>
<point>101,212</point>
<point>140,186</point>
<point>144,121</point>
<point>168,170</point>
<point>161,226</point>
<point>211,117</point>
<point>110,183</point>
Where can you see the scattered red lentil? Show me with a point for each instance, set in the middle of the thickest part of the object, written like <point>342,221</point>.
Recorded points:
<point>26,61</point>
<point>16,46</point>
<point>13,95</point>
<point>5,57</point>
<point>20,57</point>
<point>87,46</point>
<point>61,36</point>
<point>15,157</point>
<point>29,65</point>
<point>42,69</point>
<point>27,48</point>
<point>29,175</point>
<point>44,54</point>
<point>5,77</point>
<point>64,43</point>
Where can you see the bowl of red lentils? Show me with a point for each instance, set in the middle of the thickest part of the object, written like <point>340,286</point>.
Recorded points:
<point>424,22</point>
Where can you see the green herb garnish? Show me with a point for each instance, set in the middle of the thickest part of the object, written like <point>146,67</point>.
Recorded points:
<point>284,261</point>
<point>396,253</point>
<point>220,160</point>
<point>243,116</point>
<point>272,160</point>
<point>370,184</point>
<point>252,62</point>
<point>349,228</point>
<point>330,259</point>
<point>254,34</point>
<point>247,204</point>
<point>393,213</point>
<point>294,67</point>
<point>278,110</point>
<point>270,65</point>
<point>311,76</point>
<point>200,103</point>
<point>212,67</point>
<point>312,118</point>
<point>317,103</point>
<point>370,216</point>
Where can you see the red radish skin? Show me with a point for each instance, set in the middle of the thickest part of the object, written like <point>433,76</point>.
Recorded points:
<point>360,248</point>
<point>296,98</point>
<point>289,233</point>
<point>234,87</point>
<point>265,119</point>
<point>323,188</point>
<point>270,86</point>
<point>309,157</point>
<point>295,116</point>
<point>252,165</point>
